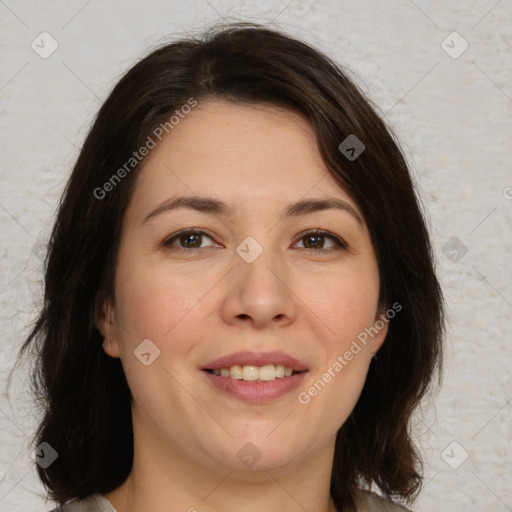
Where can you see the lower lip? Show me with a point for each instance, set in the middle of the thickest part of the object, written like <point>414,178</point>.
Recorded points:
<point>256,392</point>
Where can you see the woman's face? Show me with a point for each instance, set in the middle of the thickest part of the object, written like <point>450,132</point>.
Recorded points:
<point>247,284</point>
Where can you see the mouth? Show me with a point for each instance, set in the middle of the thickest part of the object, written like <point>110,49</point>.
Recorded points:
<point>255,366</point>
<point>256,377</point>
<point>266,373</point>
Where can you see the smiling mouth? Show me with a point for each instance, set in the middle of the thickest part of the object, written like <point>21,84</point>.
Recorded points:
<point>253,373</point>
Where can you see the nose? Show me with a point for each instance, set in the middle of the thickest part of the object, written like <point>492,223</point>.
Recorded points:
<point>259,293</point>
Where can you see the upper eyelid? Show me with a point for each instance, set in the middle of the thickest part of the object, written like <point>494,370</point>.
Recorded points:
<point>188,230</point>
<point>336,238</point>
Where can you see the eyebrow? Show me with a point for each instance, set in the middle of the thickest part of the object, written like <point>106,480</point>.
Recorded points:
<point>209,205</point>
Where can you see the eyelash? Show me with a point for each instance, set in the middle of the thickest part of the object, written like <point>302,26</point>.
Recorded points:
<point>340,243</point>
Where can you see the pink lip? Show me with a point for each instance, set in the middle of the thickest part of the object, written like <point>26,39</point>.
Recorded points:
<point>255,359</point>
<point>256,392</point>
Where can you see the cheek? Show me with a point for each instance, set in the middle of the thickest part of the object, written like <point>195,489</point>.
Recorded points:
<point>169,309</point>
<point>336,383</point>
<point>347,306</point>
<point>154,306</point>
<point>348,315</point>
<point>347,309</point>
<point>151,304</point>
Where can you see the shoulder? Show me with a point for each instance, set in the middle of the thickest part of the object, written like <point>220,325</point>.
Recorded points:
<point>95,503</point>
<point>370,502</point>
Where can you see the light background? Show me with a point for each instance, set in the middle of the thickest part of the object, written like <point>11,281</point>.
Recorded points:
<point>452,115</point>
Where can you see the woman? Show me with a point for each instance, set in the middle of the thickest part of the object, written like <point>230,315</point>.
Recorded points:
<point>241,310</point>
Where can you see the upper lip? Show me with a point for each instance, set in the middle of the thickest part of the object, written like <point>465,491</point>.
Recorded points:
<point>256,359</point>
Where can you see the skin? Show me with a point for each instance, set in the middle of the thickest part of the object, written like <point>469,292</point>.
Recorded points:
<point>307,299</point>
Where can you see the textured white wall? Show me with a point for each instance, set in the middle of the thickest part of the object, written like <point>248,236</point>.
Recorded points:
<point>453,116</point>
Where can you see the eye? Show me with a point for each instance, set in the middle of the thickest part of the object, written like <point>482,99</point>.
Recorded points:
<point>188,239</point>
<point>315,240</point>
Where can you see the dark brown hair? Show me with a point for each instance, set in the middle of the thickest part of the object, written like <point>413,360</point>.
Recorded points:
<point>85,399</point>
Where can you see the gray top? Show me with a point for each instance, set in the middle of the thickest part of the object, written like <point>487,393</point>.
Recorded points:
<point>95,503</point>
<point>367,502</point>
<point>371,502</point>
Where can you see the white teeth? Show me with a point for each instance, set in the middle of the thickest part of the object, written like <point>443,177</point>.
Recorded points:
<point>252,373</point>
<point>267,372</point>
<point>235,372</point>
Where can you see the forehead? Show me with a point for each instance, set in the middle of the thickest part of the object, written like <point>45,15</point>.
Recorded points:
<point>251,156</point>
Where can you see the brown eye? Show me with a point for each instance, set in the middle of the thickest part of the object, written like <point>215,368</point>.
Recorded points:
<point>187,239</point>
<point>315,241</point>
<point>192,240</point>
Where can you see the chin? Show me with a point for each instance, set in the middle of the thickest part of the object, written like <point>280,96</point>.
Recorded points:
<point>259,453</point>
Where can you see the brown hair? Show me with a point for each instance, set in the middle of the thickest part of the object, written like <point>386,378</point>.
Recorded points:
<point>86,402</point>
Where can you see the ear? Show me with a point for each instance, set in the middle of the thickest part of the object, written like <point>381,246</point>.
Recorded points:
<point>106,324</point>
<point>382,325</point>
